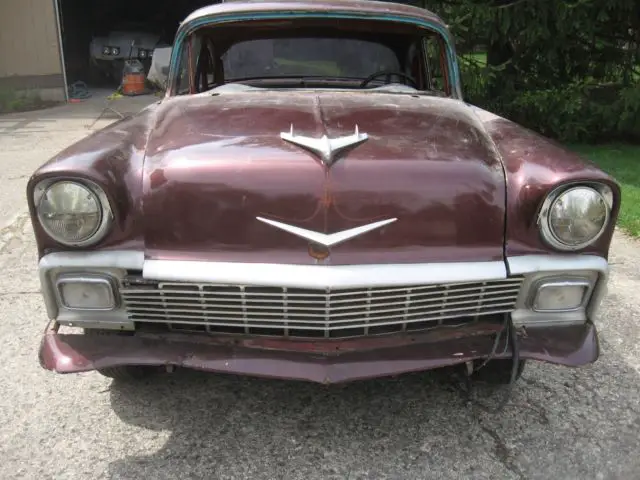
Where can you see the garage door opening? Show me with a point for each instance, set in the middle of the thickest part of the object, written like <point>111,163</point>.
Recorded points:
<point>97,35</point>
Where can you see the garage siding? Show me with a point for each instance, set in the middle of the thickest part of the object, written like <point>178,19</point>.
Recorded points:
<point>29,49</point>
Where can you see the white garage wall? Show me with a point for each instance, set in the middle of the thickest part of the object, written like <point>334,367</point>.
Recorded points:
<point>29,48</point>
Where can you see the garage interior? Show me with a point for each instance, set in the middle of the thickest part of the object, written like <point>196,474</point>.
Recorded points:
<point>81,20</point>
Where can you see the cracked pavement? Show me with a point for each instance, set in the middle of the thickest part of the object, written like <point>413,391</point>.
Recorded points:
<point>560,423</point>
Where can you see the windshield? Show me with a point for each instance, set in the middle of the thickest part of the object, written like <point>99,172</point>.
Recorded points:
<point>314,54</point>
<point>308,57</point>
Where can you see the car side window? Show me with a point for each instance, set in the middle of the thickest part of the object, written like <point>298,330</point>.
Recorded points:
<point>189,48</point>
<point>201,62</point>
<point>436,66</point>
<point>182,81</point>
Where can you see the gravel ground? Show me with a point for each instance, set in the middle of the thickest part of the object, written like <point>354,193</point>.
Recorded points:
<point>561,423</point>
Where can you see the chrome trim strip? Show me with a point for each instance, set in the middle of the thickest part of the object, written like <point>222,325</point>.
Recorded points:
<point>125,259</point>
<point>324,239</point>
<point>322,276</point>
<point>556,263</point>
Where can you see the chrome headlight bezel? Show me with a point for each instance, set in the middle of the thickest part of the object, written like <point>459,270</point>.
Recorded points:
<point>546,230</point>
<point>106,213</point>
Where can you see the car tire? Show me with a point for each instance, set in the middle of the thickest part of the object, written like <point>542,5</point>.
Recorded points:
<point>128,373</point>
<point>498,372</point>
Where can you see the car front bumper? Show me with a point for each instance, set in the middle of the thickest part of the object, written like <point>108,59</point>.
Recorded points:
<point>561,337</point>
<point>323,362</point>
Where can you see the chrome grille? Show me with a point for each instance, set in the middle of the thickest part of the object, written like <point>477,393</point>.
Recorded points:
<point>294,312</point>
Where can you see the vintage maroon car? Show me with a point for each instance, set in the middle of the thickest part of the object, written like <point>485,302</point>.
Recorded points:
<point>313,199</point>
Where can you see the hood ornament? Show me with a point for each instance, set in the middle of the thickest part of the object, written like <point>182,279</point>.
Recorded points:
<point>326,148</point>
<point>324,239</point>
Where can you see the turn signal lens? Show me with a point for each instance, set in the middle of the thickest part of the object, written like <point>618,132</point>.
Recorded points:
<point>86,293</point>
<point>560,296</point>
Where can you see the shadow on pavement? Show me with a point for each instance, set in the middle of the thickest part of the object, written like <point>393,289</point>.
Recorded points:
<point>560,423</point>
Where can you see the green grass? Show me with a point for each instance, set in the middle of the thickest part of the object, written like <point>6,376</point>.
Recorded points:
<point>623,163</point>
<point>479,58</point>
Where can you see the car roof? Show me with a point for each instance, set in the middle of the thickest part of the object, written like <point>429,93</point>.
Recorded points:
<point>367,7</point>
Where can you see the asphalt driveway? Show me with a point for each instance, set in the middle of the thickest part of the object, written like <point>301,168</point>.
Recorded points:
<point>560,424</point>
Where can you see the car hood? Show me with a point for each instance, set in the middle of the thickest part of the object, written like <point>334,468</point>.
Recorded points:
<point>216,162</point>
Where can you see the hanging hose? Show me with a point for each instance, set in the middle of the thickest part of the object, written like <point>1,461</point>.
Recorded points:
<point>79,91</point>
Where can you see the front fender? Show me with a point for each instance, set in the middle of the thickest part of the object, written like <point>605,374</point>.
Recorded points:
<point>113,159</point>
<point>534,166</point>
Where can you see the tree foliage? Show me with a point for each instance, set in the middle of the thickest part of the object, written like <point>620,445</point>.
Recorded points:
<point>550,50</point>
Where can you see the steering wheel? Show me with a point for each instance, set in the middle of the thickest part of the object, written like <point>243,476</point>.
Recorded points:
<point>388,74</point>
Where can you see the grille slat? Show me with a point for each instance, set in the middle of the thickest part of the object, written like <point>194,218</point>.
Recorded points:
<point>225,290</point>
<point>462,311</point>
<point>301,304</point>
<point>308,312</point>
<point>329,311</point>
<point>262,323</point>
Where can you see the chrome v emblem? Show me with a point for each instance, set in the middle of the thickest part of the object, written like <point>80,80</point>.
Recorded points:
<point>326,148</point>
<point>324,239</point>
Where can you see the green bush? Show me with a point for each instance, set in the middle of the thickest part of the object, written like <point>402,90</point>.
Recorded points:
<point>568,69</point>
<point>579,112</point>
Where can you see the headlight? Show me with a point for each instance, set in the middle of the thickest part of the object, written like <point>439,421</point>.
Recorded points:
<point>106,50</point>
<point>72,213</point>
<point>115,51</point>
<point>575,217</point>
<point>143,54</point>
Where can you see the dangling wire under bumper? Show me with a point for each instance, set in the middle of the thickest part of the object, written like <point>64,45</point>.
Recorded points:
<point>511,340</point>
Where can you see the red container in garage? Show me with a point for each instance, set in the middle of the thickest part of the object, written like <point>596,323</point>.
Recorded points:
<point>133,78</point>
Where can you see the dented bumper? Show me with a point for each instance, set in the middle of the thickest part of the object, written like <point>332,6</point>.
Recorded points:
<point>330,362</point>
